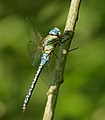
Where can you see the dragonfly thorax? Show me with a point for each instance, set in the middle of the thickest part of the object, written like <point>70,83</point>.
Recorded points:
<point>49,43</point>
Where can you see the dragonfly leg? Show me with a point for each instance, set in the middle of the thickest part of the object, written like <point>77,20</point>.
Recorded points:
<point>59,43</point>
<point>66,36</point>
<point>73,49</point>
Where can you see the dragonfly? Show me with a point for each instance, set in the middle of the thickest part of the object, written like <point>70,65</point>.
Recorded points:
<point>42,49</point>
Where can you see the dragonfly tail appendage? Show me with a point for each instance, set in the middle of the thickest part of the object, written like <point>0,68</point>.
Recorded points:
<point>27,98</point>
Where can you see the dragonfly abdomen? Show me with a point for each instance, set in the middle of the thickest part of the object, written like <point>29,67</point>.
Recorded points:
<point>44,59</point>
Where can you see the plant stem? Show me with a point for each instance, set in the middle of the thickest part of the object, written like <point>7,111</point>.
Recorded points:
<point>60,64</point>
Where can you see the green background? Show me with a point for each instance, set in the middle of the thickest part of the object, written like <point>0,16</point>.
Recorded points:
<point>82,95</point>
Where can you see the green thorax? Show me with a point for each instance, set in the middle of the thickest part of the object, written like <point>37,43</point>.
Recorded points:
<point>49,43</point>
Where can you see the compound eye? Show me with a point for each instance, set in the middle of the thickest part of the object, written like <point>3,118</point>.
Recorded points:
<point>55,31</point>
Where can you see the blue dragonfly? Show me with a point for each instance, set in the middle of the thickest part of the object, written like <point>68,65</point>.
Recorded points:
<point>40,49</point>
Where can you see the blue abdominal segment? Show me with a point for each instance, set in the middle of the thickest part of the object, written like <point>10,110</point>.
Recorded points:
<point>44,58</point>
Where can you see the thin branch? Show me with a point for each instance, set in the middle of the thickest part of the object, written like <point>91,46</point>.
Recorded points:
<point>61,61</point>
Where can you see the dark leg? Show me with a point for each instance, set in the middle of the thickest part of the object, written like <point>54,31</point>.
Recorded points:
<point>66,36</point>
<point>73,49</point>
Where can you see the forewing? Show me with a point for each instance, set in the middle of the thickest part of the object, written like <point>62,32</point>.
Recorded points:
<point>35,40</point>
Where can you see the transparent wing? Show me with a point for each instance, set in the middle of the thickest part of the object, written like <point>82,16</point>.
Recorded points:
<point>48,70</point>
<point>35,41</point>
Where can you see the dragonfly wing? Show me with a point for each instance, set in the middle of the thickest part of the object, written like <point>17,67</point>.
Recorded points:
<point>34,53</point>
<point>48,71</point>
<point>35,42</point>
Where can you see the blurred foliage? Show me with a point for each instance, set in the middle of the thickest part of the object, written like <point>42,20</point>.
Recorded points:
<point>82,95</point>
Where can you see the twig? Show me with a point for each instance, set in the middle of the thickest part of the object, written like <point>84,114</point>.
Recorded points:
<point>61,61</point>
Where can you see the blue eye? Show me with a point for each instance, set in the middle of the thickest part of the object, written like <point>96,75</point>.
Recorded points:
<point>55,31</point>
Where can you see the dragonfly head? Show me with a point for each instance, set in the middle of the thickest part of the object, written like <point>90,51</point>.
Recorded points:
<point>55,31</point>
